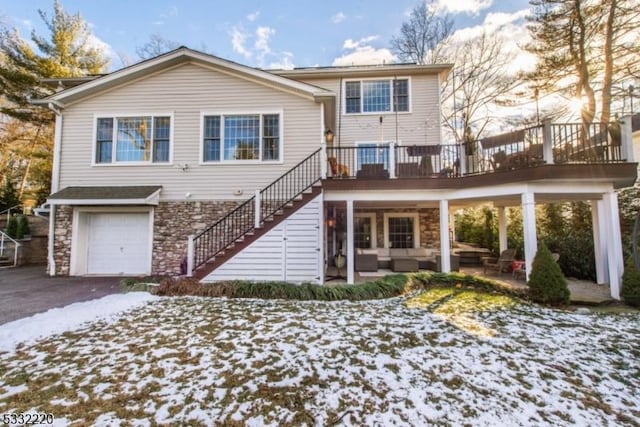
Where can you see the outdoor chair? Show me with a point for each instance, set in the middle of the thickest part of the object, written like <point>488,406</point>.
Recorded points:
<point>521,271</point>
<point>501,264</point>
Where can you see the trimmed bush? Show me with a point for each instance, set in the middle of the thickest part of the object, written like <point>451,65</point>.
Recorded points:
<point>12,226</point>
<point>547,284</point>
<point>22,228</point>
<point>630,291</point>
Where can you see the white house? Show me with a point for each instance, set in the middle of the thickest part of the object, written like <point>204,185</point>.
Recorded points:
<point>188,163</point>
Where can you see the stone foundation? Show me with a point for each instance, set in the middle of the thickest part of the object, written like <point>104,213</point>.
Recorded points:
<point>62,239</point>
<point>173,223</point>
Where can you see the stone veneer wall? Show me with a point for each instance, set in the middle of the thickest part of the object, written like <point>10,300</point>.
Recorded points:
<point>62,239</point>
<point>174,222</point>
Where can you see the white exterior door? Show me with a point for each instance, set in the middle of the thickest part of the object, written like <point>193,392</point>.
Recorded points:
<point>118,243</point>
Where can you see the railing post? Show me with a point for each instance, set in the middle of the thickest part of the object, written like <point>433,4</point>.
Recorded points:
<point>626,139</point>
<point>547,142</point>
<point>462,159</point>
<point>190,256</point>
<point>1,244</point>
<point>392,159</point>
<point>258,213</point>
<point>323,160</point>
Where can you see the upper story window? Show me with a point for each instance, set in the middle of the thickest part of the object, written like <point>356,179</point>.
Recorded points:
<point>376,96</point>
<point>133,139</point>
<point>239,137</point>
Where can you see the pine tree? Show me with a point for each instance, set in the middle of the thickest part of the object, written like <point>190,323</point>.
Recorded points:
<point>630,291</point>
<point>8,195</point>
<point>547,284</point>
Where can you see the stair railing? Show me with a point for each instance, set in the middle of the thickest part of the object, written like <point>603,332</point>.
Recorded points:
<point>4,239</point>
<point>252,213</point>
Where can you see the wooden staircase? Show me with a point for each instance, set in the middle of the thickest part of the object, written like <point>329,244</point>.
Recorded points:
<point>252,219</point>
<point>254,235</point>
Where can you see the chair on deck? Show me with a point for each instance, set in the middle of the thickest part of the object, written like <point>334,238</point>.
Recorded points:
<point>501,264</point>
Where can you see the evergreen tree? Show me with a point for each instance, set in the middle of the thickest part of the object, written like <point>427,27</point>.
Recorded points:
<point>8,195</point>
<point>547,284</point>
<point>630,291</point>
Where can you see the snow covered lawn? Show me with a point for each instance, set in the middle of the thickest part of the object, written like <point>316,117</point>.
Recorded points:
<point>449,356</point>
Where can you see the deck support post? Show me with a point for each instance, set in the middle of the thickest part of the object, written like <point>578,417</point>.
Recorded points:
<point>350,245</point>
<point>258,210</point>
<point>529,229</point>
<point>502,228</point>
<point>599,240</point>
<point>614,243</point>
<point>445,252</point>
<point>323,160</point>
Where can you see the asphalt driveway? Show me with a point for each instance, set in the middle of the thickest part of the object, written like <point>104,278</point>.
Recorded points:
<point>25,291</point>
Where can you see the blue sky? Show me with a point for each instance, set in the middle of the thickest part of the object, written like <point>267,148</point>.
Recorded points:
<point>268,34</point>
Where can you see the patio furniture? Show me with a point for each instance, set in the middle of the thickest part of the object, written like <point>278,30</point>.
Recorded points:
<point>372,171</point>
<point>501,264</point>
<point>520,269</point>
<point>408,170</point>
<point>403,265</point>
<point>366,262</point>
<point>473,256</point>
<point>436,265</point>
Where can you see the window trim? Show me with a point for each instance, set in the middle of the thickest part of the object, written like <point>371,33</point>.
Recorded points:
<point>416,226</point>
<point>224,113</point>
<point>115,163</point>
<point>376,113</point>
<point>374,230</point>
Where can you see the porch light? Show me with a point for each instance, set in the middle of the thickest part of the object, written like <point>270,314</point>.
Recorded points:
<point>331,222</point>
<point>328,136</point>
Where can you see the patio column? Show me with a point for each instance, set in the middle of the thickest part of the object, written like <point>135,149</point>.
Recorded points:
<point>626,139</point>
<point>599,240</point>
<point>445,252</point>
<point>547,142</point>
<point>614,243</point>
<point>502,228</point>
<point>350,255</point>
<point>529,229</point>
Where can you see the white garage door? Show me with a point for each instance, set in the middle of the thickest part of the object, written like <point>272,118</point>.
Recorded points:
<point>118,243</point>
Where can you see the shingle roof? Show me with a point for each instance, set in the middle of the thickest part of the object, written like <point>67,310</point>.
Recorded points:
<point>106,192</point>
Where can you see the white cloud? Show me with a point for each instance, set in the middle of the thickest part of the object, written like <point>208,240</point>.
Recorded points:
<point>284,63</point>
<point>362,53</point>
<point>470,7</point>
<point>238,38</point>
<point>159,22</point>
<point>338,18</point>
<point>253,16</point>
<point>262,43</point>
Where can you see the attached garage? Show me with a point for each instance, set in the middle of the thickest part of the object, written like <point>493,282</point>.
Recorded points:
<point>112,229</point>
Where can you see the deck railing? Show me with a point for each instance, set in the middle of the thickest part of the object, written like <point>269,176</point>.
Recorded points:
<point>525,148</point>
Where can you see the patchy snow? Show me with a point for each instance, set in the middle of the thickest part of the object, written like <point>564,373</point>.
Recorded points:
<point>60,320</point>
<point>214,361</point>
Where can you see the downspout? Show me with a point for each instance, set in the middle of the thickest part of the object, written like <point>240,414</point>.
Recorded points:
<point>55,182</point>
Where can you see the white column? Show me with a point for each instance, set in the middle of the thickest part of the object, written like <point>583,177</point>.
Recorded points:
<point>445,253</point>
<point>258,210</point>
<point>502,228</point>
<point>392,159</point>
<point>599,240</point>
<point>350,255</point>
<point>614,243</point>
<point>322,241</point>
<point>626,139</point>
<point>462,158</point>
<point>529,229</point>
<point>547,142</point>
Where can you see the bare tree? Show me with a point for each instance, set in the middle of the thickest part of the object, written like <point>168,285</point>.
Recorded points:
<point>478,82</point>
<point>157,45</point>
<point>422,38</point>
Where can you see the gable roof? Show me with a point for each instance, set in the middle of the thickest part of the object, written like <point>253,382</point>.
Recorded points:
<point>179,56</point>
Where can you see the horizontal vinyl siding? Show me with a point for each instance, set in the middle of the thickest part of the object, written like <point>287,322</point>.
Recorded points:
<point>267,258</point>
<point>421,126</point>
<point>186,91</point>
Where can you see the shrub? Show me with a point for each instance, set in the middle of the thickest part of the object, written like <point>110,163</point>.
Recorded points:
<point>22,228</point>
<point>12,226</point>
<point>547,284</point>
<point>630,291</point>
